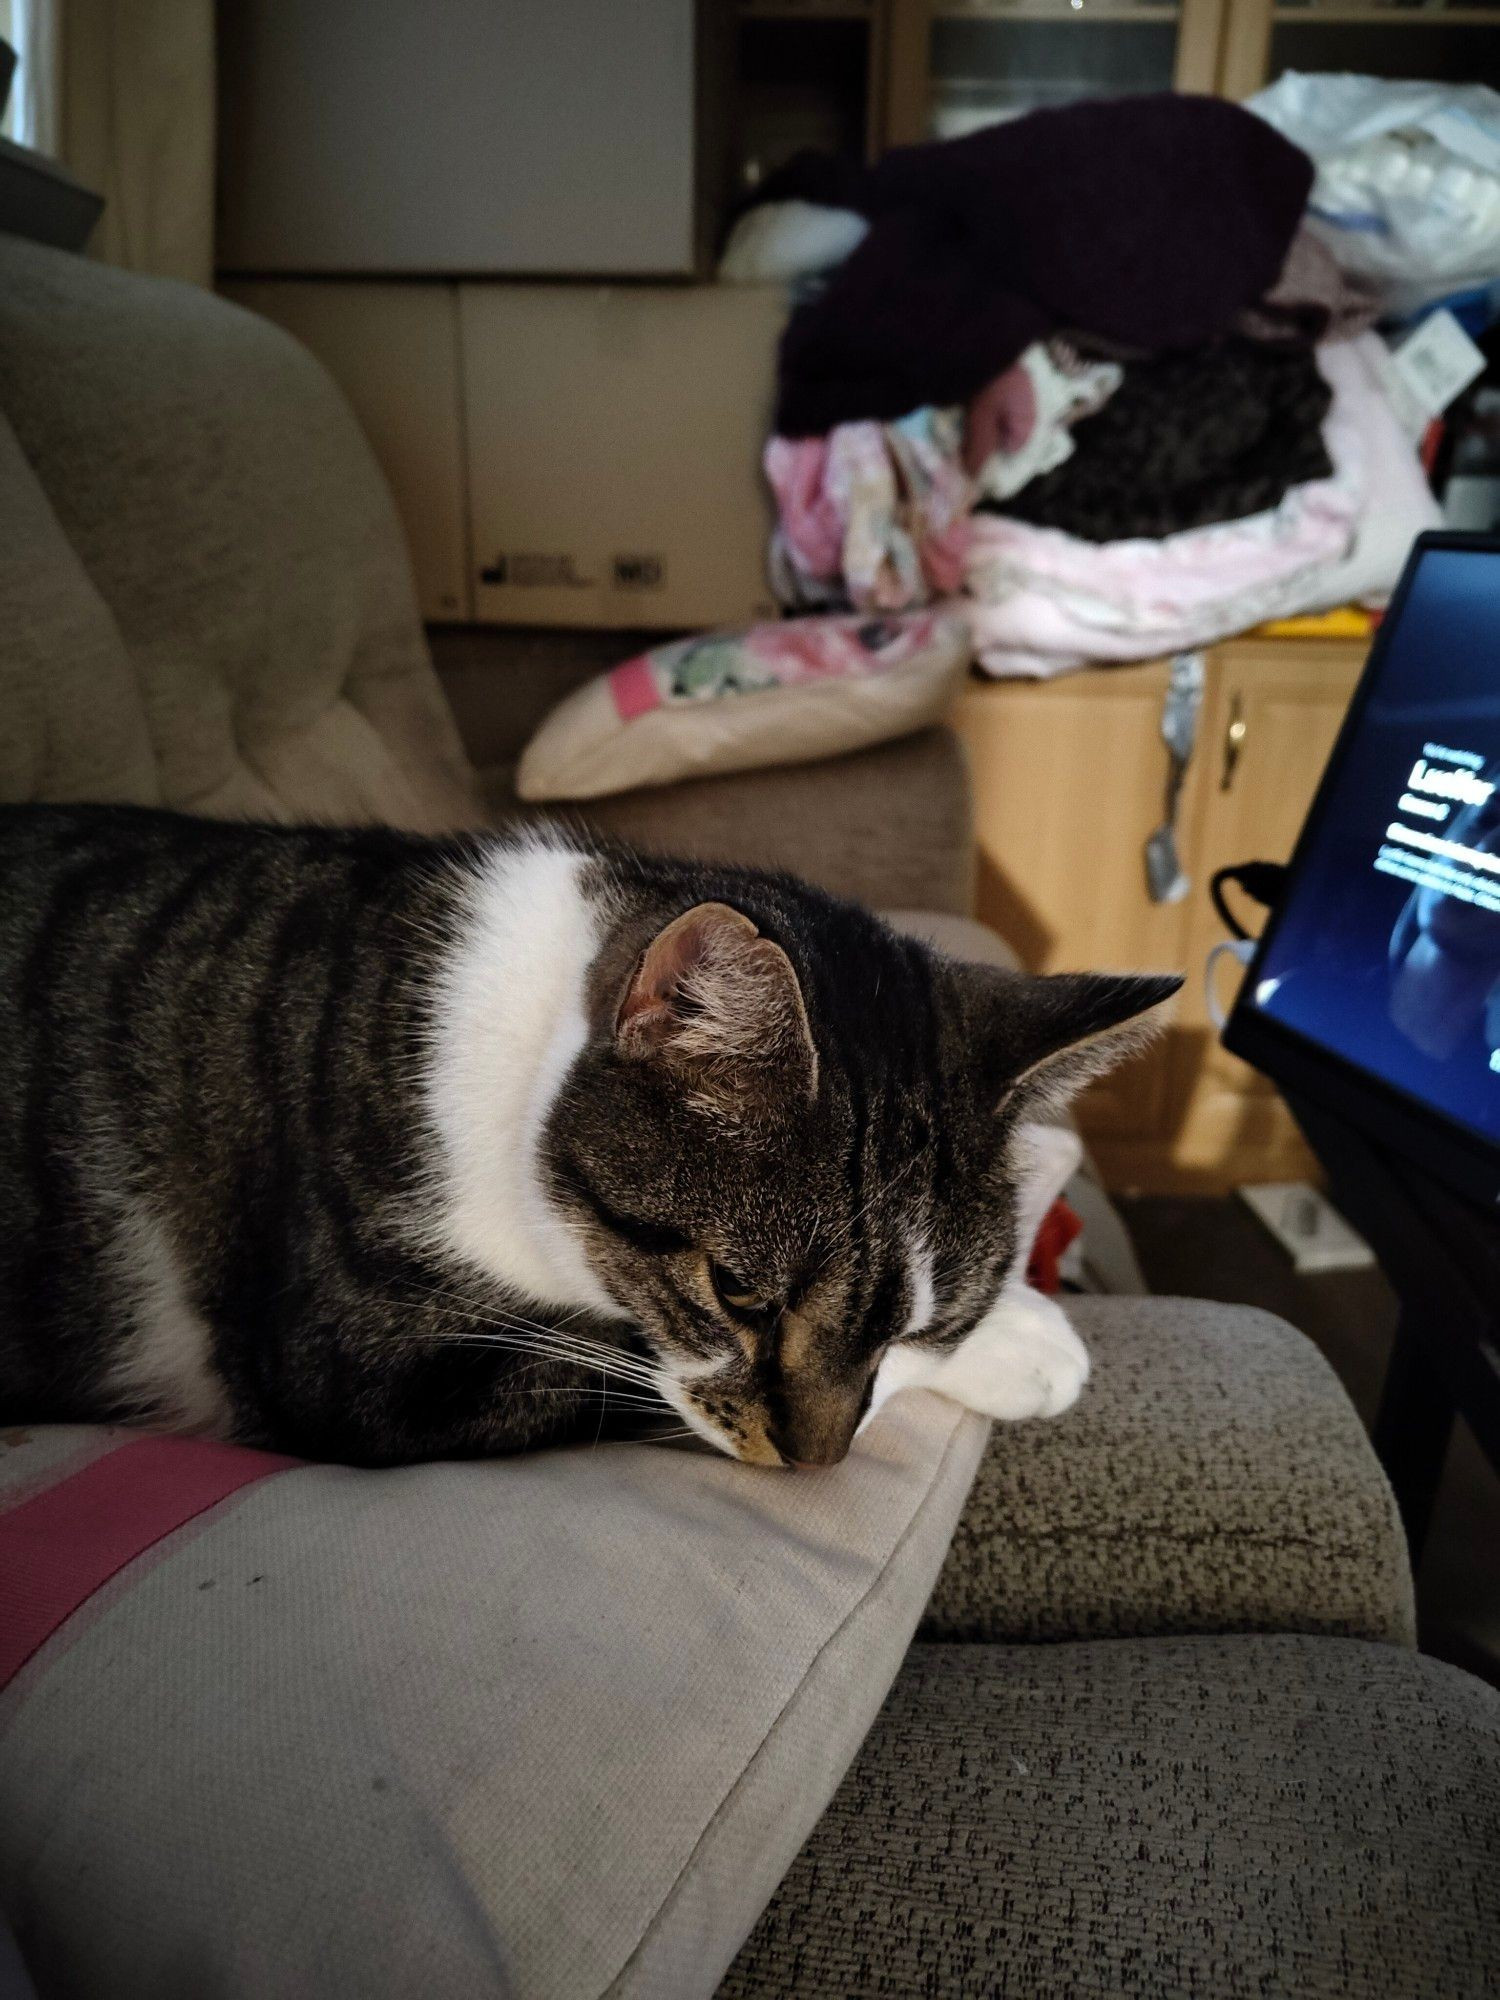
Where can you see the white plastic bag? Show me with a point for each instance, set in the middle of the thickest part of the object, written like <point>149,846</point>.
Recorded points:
<point>1407,194</point>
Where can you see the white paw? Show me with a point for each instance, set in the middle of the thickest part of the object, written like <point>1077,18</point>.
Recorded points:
<point>1022,1360</point>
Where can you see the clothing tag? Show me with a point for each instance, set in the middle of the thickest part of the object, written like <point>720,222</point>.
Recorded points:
<point>1438,361</point>
<point>1166,880</point>
<point>1179,716</point>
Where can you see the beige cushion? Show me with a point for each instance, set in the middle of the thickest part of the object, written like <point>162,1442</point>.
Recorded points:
<point>546,1726</point>
<point>217,572</point>
<point>792,692</point>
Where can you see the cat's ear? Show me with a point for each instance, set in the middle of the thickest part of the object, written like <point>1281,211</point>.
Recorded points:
<point>720,1005</point>
<point>1043,1038</point>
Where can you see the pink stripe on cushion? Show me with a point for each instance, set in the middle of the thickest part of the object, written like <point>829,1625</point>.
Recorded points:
<point>634,688</point>
<point>61,1545</point>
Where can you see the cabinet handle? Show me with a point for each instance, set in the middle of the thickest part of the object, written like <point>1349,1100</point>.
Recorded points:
<point>1234,741</point>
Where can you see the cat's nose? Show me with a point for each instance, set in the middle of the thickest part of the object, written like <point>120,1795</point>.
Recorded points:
<point>810,1454</point>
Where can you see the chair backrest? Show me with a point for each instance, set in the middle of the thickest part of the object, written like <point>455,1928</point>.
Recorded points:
<point>205,601</point>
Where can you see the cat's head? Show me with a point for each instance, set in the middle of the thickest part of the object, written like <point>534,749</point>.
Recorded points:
<point>792,1141</point>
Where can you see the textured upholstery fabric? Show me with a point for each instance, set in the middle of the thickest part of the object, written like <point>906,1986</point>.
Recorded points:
<point>216,571</point>
<point>63,663</point>
<point>1214,1478</point>
<point>888,825</point>
<point>1191,1819</point>
<point>549,1726</point>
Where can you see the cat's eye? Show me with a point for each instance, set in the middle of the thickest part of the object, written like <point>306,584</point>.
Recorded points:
<point>736,1292</point>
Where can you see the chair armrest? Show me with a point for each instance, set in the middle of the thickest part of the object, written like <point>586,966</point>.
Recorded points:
<point>1214,1478</point>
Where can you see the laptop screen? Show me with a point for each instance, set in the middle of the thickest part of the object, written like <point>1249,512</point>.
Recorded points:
<point>1386,949</point>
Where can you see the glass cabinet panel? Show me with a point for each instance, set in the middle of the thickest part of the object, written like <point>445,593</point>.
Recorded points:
<point>996,60</point>
<point>803,77</point>
<point>1445,41</point>
<point>1433,39</point>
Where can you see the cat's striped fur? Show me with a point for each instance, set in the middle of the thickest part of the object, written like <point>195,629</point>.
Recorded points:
<point>376,1148</point>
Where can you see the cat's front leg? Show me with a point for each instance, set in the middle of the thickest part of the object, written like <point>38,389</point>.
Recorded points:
<point>1022,1360</point>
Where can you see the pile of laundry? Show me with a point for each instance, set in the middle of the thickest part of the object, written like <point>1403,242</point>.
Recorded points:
<point>1089,374</point>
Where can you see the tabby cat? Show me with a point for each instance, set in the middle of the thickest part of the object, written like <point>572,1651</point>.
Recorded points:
<point>375,1148</point>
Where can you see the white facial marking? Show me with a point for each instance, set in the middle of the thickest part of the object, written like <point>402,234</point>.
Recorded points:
<point>919,1284</point>
<point>508,1023</point>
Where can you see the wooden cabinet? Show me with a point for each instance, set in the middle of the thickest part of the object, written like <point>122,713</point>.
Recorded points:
<point>393,350</point>
<point>584,455</point>
<point>614,445</point>
<point>1069,780</point>
<point>1284,702</point>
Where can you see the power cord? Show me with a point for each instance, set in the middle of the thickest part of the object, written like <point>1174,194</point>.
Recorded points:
<point>1241,950</point>
<point>1262,882</point>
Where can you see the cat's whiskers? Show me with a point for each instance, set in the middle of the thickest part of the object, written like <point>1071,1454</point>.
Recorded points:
<point>604,1392</point>
<point>486,1306</point>
<point>542,1351</point>
<point>607,1358</point>
<point>607,1390</point>
<point>492,1327</point>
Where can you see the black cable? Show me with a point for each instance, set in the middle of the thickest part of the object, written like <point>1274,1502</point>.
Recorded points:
<point>1261,881</point>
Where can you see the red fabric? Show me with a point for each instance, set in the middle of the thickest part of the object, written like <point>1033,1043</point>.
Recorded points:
<point>1060,1227</point>
<point>59,1546</point>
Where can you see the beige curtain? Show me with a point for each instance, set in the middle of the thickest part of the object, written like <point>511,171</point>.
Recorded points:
<point>121,92</point>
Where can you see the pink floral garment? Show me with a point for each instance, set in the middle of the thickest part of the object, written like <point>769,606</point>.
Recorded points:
<point>880,509</point>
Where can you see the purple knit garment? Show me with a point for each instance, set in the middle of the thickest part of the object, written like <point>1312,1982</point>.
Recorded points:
<point>1147,222</point>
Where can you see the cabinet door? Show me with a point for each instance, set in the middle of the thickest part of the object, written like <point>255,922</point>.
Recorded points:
<point>614,443</point>
<point>393,350</point>
<point>1069,780</point>
<point>1274,711</point>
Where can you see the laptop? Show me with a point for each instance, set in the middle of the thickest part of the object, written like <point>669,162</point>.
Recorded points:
<point>1374,991</point>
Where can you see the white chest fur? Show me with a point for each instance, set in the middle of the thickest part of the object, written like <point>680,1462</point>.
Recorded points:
<point>508,1022</point>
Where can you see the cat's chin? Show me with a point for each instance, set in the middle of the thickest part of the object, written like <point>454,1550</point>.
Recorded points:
<point>1022,1360</point>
